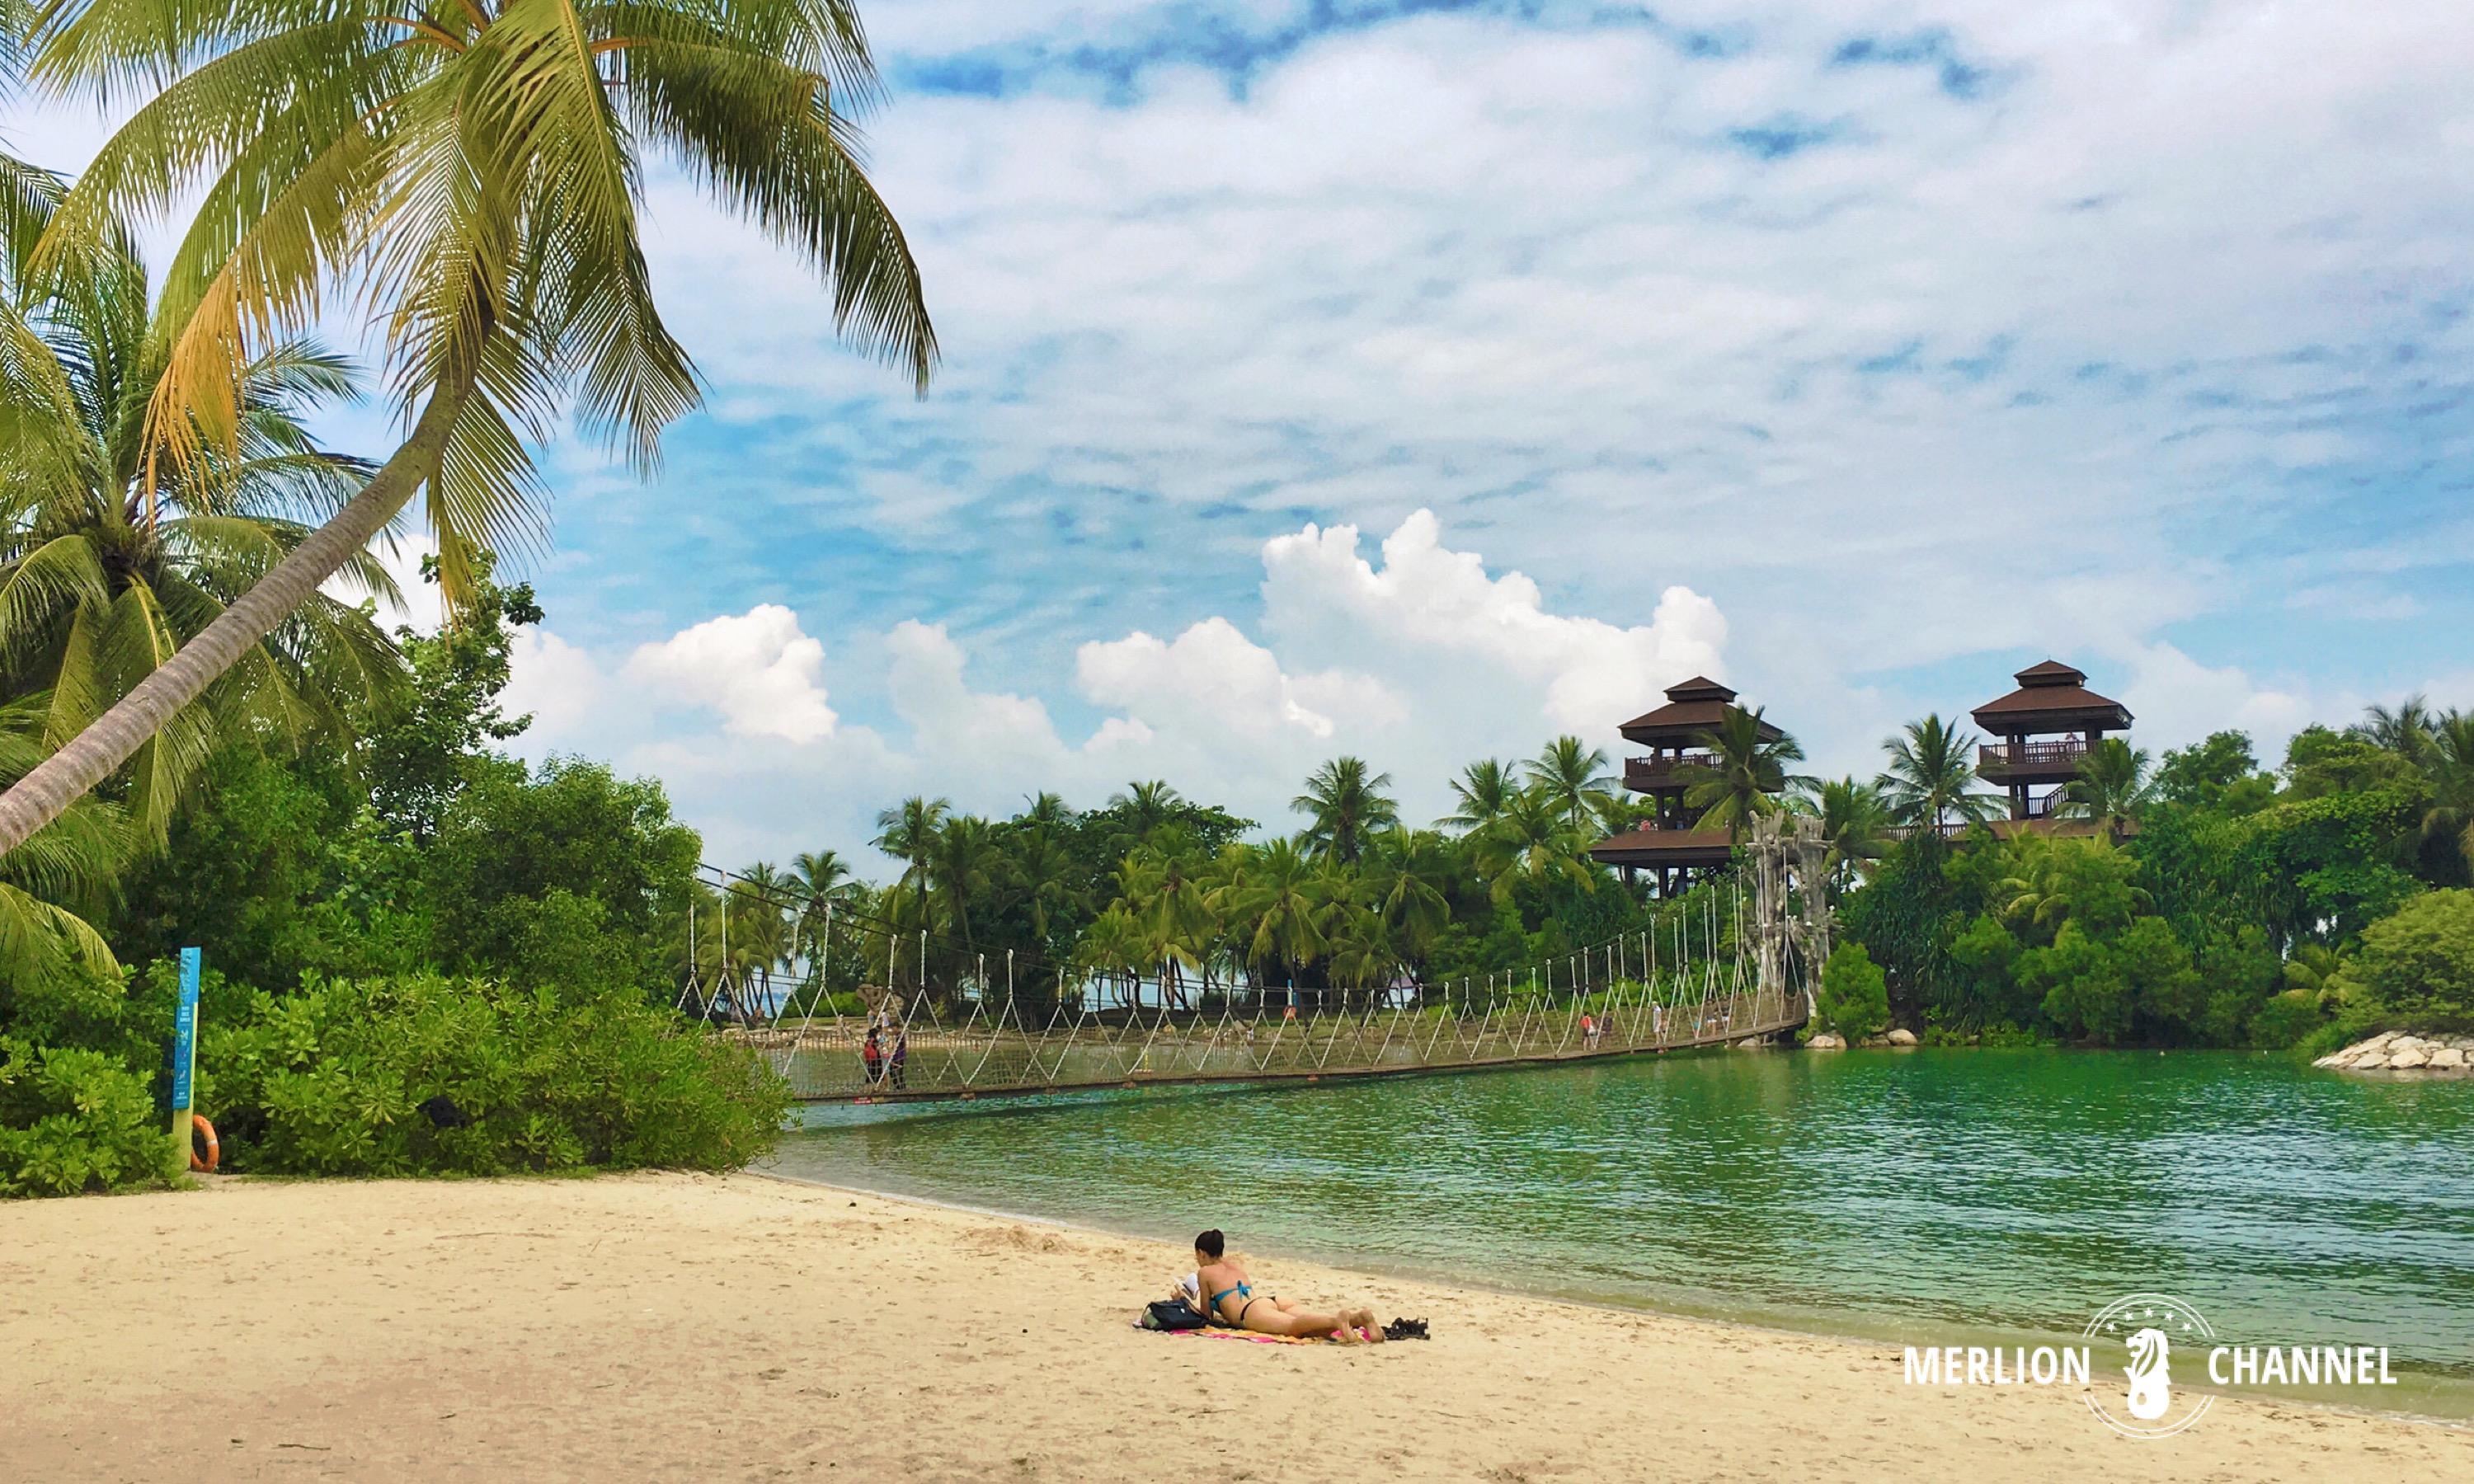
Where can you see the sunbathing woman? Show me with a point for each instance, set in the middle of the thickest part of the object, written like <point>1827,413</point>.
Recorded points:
<point>1229,1296</point>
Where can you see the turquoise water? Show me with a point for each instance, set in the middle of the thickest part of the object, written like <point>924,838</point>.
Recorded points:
<point>1923,1197</point>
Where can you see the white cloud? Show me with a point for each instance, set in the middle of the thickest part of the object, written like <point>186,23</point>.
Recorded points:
<point>1452,663</point>
<point>756,669</point>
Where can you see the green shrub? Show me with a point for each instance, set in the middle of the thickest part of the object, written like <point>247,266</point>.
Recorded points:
<point>73,1120</point>
<point>427,1075</point>
<point>2417,965</point>
<point>1855,999</point>
<point>2286,1020</point>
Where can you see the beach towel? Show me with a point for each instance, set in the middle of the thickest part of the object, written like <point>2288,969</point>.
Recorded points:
<point>1249,1335</point>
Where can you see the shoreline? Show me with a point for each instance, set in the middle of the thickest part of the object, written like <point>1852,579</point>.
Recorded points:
<point>758,1326</point>
<point>1481,1284</point>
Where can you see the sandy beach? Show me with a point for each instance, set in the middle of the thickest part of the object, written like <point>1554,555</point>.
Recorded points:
<point>742,1327</point>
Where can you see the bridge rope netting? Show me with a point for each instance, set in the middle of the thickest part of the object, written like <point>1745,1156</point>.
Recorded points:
<point>1018,1022</point>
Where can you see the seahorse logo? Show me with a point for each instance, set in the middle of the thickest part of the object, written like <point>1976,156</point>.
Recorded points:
<point>2147,1327</point>
<point>2151,1380</point>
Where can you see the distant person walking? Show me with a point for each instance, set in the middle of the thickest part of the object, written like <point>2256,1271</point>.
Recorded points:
<point>872,1056</point>
<point>901,1054</point>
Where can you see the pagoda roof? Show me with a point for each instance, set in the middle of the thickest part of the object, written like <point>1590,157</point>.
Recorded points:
<point>2051,695</point>
<point>1694,706</point>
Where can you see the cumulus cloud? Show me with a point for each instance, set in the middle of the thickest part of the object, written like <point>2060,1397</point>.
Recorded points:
<point>756,669</point>
<point>1450,662</point>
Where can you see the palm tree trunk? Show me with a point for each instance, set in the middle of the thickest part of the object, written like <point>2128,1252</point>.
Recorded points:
<point>98,750</point>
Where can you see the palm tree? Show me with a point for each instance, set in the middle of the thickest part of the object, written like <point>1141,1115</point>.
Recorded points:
<point>1571,776</point>
<point>1344,807</point>
<point>1161,888</point>
<point>1746,772</point>
<point>1404,885</point>
<point>108,564</point>
<point>1484,790</point>
<point>1530,841</point>
<point>1930,771</point>
<point>760,923</point>
<point>2112,787</point>
<point>1043,866</point>
<point>1146,805</point>
<point>962,868</point>
<point>72,860</point>
<point>2448,761</point>
<point>820,879</point>
<point>2406,730</point>
<point>475,170</point>
<point>1286,895</point>
<point>907,832</point>
<point>1856,821</point>
<point>2318,971</point>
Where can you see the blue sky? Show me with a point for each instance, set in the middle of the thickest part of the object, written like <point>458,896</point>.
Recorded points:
<point>1422,380</point>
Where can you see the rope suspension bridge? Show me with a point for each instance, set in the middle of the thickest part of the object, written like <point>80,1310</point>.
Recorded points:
<point>1691,982</point>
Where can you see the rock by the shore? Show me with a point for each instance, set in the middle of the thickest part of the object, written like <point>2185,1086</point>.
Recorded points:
<point>1903,1037</point>
<point>1827,1041</point>
<point>2392,1051</point>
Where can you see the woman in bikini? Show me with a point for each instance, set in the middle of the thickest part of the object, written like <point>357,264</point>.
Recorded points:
<point>1229,1295</point>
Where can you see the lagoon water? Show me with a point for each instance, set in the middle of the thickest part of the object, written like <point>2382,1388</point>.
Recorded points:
<point>1923,1197</point>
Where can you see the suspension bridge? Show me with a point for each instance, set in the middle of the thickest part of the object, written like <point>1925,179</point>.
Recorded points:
<point>1698,980</point>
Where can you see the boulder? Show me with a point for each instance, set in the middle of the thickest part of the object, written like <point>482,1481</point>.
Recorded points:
<point>2447,1057</point>
<point>1827,1041</point>
<point>2380,1039</point>
<point>2408,1044</point>
<point>2408,1058</point>
<point>1903,1037</point>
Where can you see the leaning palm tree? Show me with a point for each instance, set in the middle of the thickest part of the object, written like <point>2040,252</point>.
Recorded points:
<point>1480,794</point>
<point>1930,774</point>
<point>108,564</point>
<point>2113,786</point>
<point>1345,807</point>
<point>1569,773</point>
<point>472,173</point>
<point>1745,775</point>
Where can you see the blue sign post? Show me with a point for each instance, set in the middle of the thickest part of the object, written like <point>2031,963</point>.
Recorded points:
<point>184,1053</point>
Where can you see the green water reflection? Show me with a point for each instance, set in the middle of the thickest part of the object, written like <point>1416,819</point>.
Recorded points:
<point>1904,1196</point>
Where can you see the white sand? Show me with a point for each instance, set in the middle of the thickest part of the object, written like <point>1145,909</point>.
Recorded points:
<point>684,1328</point>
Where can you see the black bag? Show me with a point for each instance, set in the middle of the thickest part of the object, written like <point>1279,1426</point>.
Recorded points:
<point>1172,1314</point>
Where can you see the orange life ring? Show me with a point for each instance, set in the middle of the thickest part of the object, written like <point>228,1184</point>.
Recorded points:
<point>198,1125</point>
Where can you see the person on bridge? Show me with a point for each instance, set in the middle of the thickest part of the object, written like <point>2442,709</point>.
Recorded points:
<point>901,1054</point>
<point>1230,1297</point>
<point>872,1057</point>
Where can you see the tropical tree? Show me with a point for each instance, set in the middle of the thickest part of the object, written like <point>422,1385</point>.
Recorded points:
<point>1043,866</point>
<point>762,934</point>
<point>1406,884</point>
<point>110,562</point>
<point>1145,805</point>
<point>963,869</point>
<point>1531,843</point>
<point>1572,776</point>
<point>2405,729</point>
<point>1932,775</point>
<point>1162,886</point>
<point>69,863</point>
<point>1745,775</point>
<point>2113,786</point>
<point>907,832</point>
<point>1345,808</point>
<point>1285,896</point>
<point>473,172</point>
<point>1482,792</point>
<point>1855,819</point>
<point>2448,761</point>
<point>821,879</point>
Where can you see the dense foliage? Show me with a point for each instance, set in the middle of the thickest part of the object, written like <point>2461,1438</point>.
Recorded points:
<point>425,957</point>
